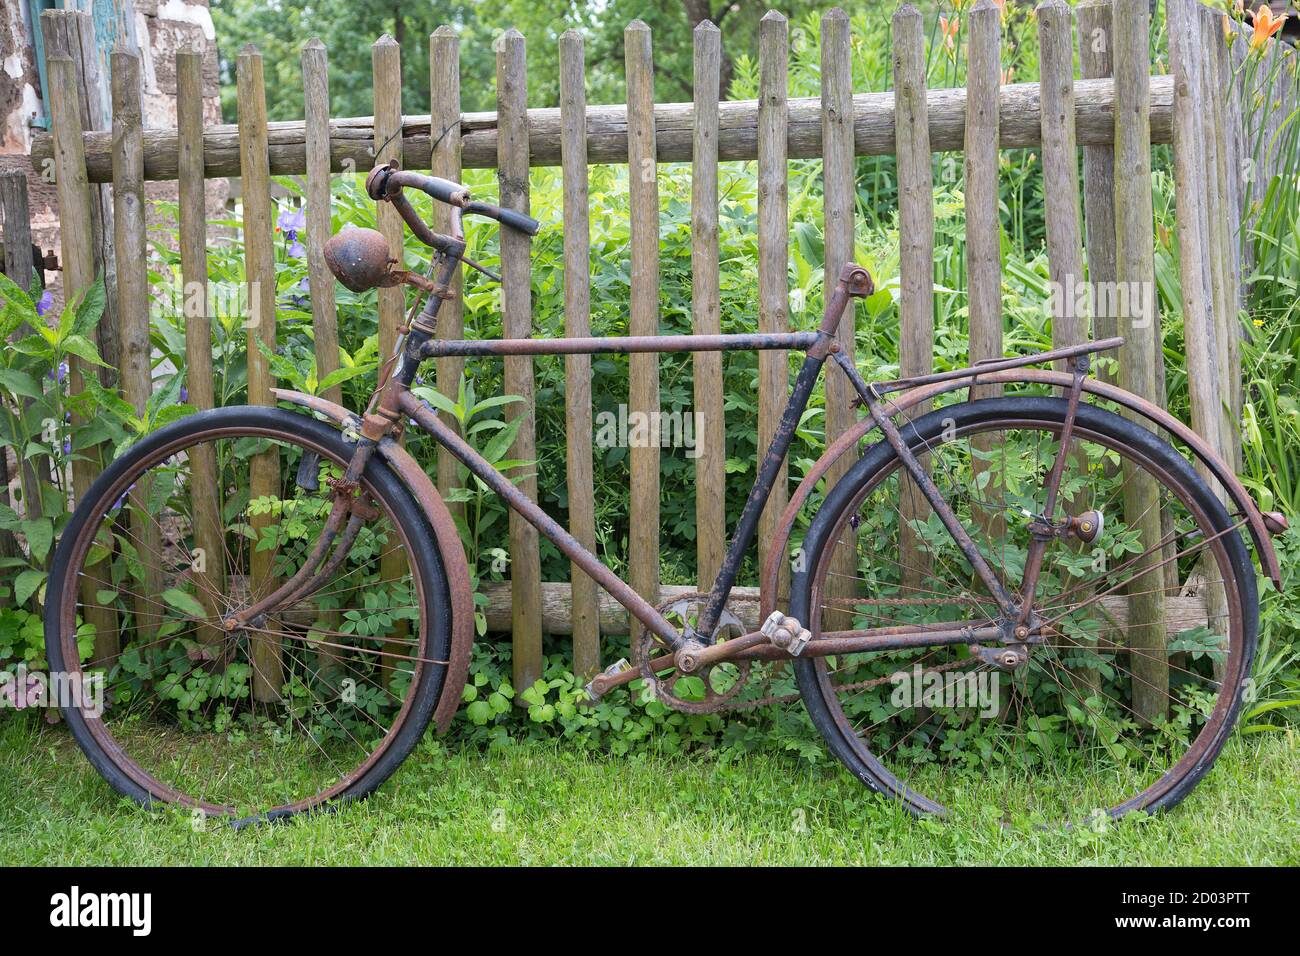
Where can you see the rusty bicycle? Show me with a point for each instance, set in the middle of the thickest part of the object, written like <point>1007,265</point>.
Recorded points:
<point>1027,598</point>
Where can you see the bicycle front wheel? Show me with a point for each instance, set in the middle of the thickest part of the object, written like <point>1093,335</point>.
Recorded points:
<point>1135,677</point>
<point>318,702</point>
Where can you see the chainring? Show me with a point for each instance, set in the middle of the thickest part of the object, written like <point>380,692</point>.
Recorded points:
<point>721,682</point>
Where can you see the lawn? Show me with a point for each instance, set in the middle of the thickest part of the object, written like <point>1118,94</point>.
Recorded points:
<point>550,805</point>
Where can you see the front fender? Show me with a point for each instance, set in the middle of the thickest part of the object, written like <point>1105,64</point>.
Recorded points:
<point>847,443</point>
<point>449,547</point>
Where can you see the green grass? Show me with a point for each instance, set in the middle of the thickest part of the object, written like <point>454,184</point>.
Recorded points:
<point>550,805</point>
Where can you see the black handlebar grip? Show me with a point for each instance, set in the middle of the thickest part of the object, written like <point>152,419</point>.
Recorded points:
<point>517,220</point>
<point>444,190</point>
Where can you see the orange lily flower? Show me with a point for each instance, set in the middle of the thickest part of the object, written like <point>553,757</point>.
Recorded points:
<point>949,30</point>
<point>1265,26</point>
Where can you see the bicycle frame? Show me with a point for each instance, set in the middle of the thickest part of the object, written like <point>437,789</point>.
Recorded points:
<point>393,405</point>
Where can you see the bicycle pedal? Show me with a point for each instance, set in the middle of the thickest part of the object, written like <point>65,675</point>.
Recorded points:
<point>596,688</point>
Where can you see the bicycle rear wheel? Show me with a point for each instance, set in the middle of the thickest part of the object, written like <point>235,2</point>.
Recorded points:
<point>1124,701</point>
<point>319,702</point>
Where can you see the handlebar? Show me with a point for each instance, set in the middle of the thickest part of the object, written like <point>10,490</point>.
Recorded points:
<point>386,182</point>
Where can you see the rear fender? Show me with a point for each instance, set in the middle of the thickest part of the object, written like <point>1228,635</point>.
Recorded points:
<point>446,535</point>
<point>847,443</point>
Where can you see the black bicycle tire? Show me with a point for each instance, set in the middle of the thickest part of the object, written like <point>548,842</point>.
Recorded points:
<point>881,456</point>
<point>384,482</point>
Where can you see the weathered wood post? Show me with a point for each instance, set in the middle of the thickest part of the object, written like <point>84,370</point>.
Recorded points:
<point>1135,272</point>
<point>915,260</point>
<point>76,241</point>
<point>386,81</point>
<point>259,272</point>
<point>1098,180</point>
<point>71,33</point>
<point>19,266</point>
<point>706,309</point>
<point>1221,248</point>
<point>773,261</point>
<point>838,207</point>
<point>643,388</point>
<point>444,161</point>
<point>135,371</point>
<point>517,322</point>
<point>205,497</point>
<point>577,368</point>
<point>983,230</point>
<point>320,281</point>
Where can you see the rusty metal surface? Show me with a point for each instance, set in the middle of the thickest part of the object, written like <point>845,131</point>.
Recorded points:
<point>619,589</point>
<point>1020,376</point>
<point>854,282</point>
<point>449,548</point>
<point>620,344</point>
<point>999,365</point>
<point>359,258</point>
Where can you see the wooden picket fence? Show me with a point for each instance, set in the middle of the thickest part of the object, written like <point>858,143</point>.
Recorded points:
<point>1114,112</point>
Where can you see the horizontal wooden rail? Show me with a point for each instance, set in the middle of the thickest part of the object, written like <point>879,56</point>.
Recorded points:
<point>1181,612</point>
<point>352,140</point>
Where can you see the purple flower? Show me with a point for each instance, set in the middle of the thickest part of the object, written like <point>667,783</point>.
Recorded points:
<point>44,303</point>
<point>117,505</point>
<point>67,445</point>
<point>185,394</point>
<point>57,375</point>
<point>291,220</point>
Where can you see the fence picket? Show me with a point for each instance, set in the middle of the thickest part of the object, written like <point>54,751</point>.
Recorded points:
<point>1061,172</point>
<point>643,387</point>
<point>840,191</point>
<point>386,80</point>
<point>983,229</point>
<point>1221,245</point>
<point>135,369</point>
<point>444,122</point>
<point>1098,179</point>
<point>1187,62</point>
<point>706,309</point>
<point>983,245</point>
<point>915,257</point>
<point>71,33</point>
<point>320,281</point>
<point>517,321</point>
<point>1135,270</point>
<point>193,240</point>
<point>773,261</point>
<point>18,266</point>
<point>259,272</point>
<point>77,254</point>
<point>577,368</point>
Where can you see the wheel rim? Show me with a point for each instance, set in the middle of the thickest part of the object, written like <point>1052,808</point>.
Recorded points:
<point>907,725</point>
<point>190,715</point>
